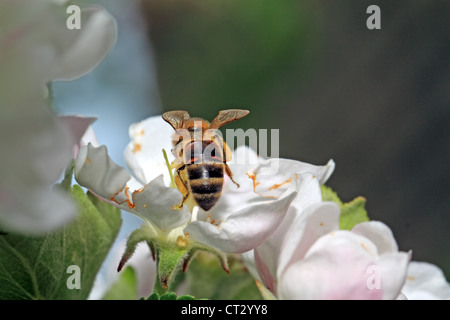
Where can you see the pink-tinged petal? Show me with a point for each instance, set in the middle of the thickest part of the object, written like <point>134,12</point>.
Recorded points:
<point>392,267</point>
<point>425,281</point>
<point>95,170</point>
<point>245,229</point>
<point>336,267</point>
<point>84,49</point>
<point>143,155</point>
<point>156,203</point>
<point>317,220</point>
<point>266,270</point>
<point>77,125</point>
<point>81,130</point>
<point>269,251</point>
<point>249,260</point>
<point>325,276</point>
<point>378,233</point>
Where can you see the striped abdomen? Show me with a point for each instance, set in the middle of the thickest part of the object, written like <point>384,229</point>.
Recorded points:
<point>205,173</point>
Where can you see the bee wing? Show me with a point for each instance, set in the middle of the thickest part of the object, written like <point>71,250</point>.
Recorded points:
<point>176,118</point>
<point>226,116</point>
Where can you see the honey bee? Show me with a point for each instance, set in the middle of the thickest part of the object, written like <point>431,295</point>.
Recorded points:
<point>201,155</point>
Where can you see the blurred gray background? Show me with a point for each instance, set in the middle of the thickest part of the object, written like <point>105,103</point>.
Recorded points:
<point>376,101</point>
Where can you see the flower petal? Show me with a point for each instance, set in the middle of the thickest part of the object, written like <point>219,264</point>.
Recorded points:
<point>284,170</point>
<point>425,281</point>
<point>233,198</point>
<point>33,210</point>
<point>242,161</point>
<point>317,220</point>
<point>81,131</point>
<point>244,229</point>
<point>335,268</point>
<point>266,268</point>
<point>249,260</point>
<point>143,154</point>
<point>270,250</point>
<point>35,148</point>
<point>155,202</point>
<point>77,125</point>
<point>85,48</point>
<point>378,233</point>
<point>393,267</point>
<point>344,265</point>
<point>95,170</point>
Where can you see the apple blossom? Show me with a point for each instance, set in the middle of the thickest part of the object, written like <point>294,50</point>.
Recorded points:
<point>35,48</point>
<point>241,220</point>
<point>150,197</point>
<point>425,281</point>
<point>316,260</point>
<point>36,41</point>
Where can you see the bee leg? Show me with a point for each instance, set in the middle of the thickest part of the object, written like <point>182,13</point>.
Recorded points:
<point>230,174</point>
<point>181,185</point>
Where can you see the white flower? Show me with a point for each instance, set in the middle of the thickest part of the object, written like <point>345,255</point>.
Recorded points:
<point>240,221</point>
<point>308,257</point>
<point>315,260</point>
<point>35,48</point>
<point>36,42</point>
<point>425,281</point>
<point>35,154</point>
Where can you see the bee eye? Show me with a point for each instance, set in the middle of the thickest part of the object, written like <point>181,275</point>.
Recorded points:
<point>180,153</point>
<point>213,152</point>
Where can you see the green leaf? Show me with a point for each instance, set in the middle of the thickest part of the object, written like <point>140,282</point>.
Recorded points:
<point>125,288</point>
<point>51,266</point>
<point>329,195</point>
<point>352,212</point>
<point>206,279</point>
